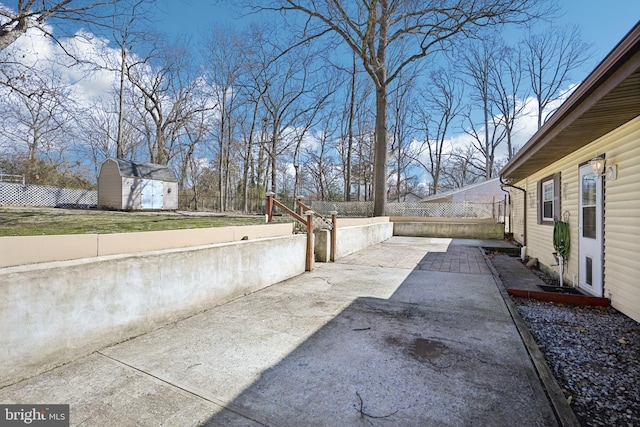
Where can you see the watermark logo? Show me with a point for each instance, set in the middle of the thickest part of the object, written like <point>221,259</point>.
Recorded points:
<point>34,415</point>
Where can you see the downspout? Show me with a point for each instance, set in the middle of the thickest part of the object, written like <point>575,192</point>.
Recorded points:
<point>524,222</point>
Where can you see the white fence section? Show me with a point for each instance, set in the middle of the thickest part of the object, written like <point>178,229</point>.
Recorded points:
<point>427,210</point>
<point>348,209</point>
<point>14,179</point>
<point>40,195</point>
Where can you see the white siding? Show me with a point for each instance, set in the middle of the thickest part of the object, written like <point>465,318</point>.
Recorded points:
<point>621,218</point>
<point>170,195</point>
<point>622,221</point>
<point>131,193</point>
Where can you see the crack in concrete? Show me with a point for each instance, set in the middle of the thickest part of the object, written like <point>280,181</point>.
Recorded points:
<point>207,400</point>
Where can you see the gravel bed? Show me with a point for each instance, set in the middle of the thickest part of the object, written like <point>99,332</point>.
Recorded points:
<point>594,353</point>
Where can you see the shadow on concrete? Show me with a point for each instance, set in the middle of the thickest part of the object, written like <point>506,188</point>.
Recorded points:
<point>442,350</point>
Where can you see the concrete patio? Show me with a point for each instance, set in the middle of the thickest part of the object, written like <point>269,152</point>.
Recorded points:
<point>409,332</point>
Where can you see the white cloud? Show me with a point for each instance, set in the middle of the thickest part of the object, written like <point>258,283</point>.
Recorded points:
<point>525,127</point>
<point>35,55</point>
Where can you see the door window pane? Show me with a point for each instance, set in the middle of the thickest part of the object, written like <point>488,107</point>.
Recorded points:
<point>589,222</point>
<point>589,190</point>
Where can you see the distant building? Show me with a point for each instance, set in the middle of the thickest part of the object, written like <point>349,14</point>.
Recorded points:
<point>408,197</point>
<point>483,192</point>
<point>127,185</point>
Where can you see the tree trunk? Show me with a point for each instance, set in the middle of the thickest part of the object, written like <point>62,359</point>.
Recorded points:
<point>380,154</point>
<point>347,183</point>
<point>380,148</point>
<point>274,170</point>
<point>247,162</point>
<point>119,141</point>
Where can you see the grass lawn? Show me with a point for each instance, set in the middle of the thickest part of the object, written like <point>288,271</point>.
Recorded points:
<point>19,221</point>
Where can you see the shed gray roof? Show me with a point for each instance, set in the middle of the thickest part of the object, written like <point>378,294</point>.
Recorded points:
<point>145,170</point>
<point>492,187</point>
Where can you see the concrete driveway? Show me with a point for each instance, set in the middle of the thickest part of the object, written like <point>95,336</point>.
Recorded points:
<point>409,332</point>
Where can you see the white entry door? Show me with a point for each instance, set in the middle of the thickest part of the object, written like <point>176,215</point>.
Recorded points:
<point>152,194</point>
<point>590,225</point>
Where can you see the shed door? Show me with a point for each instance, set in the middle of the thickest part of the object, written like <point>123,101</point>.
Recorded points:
<point>152,194</point>
<point>590,232</point>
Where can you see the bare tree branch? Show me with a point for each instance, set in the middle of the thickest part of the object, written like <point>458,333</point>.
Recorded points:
<point>372,27</point>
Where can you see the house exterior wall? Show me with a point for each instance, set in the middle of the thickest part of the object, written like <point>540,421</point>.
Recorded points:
<point>109,186</point>
<point>622,222</point>
<point>621,214</point>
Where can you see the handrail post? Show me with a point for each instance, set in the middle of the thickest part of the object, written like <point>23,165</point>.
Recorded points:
<point>309,258</point>
<point>334,226</point>
<point>270,195</point>
<point>300,205</point>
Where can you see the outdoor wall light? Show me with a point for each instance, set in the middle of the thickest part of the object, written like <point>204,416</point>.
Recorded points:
<point>599,167</point>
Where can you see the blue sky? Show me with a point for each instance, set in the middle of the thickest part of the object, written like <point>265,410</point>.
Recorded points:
<point>603,23</point>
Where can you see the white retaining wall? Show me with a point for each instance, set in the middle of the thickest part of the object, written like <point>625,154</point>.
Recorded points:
<point>20,250</point>
<point>352,238</point>
<point>54,312</point>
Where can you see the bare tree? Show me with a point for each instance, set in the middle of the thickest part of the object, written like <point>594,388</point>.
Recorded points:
<point>319,109</point>
<point>509,104</point>
<point>551,56</point>
<point>196,129</point>
<point>462,168</point>
<point>223,71</point>
<point>100,132</point>
<point>478,63</point>
<point>38,116</point>
<point>249,127</point>
<point>401,150</point>
<point>295,88</point>
<point>35,13</point>
<point>321,162</point>
<point>347,152</point>
<point>356,109</point>
<point>435,113</point>
<point>124,34</point>
<point>167,97</point>
<point>57,22</point>
<point>375,30</point>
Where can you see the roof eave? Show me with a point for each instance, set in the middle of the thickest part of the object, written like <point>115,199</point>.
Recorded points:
<point>622,64</point>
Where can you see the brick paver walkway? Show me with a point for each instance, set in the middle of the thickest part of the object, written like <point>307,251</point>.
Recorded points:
<point>457,259</point>
<point>442,255</point>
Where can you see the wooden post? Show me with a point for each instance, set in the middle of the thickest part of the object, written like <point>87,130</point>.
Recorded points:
<point>270,195</point>
<point>334,226</point>
<point>299,204</point>
<point>309,259</point>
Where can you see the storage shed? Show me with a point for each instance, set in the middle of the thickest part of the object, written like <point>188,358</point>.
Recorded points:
<point>127,185</point>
